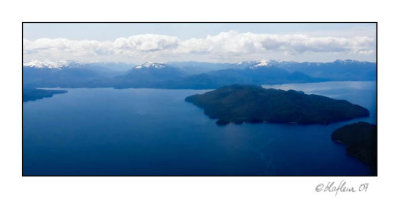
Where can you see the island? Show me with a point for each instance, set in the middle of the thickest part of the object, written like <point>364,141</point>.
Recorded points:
<point>361,141</point>
<point>31,94</point>
<point>254,104</point>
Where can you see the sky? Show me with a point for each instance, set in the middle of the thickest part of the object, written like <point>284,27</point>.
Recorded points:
<point>58,43</point>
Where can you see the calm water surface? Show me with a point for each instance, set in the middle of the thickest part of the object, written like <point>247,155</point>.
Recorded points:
<point>105,131</point>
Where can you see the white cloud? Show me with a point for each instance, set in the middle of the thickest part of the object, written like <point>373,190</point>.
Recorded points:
<point>147,42</point>
<point>223,47</point>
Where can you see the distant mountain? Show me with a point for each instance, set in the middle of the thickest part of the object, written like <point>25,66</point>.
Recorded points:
<point>109,68</point>
<point>98,66</point>
<point>193,68</point>
<point>247,103</point>
<point>58,77</point>
<point>148,75</point>
<point>67,77</point>
<point>192,75</point>
<point>151,65</point>
<point>248,75</point>
<point>339,70</point>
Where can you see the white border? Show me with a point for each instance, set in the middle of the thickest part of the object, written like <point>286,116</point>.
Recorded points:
<point>13,13</point>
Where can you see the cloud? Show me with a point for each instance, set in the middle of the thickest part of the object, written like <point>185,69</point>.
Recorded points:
<point>146,42</point>
<point>220,47</point>
<point>233,42</point>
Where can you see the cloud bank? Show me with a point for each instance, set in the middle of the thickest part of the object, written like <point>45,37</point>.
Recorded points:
<point>228,46</point>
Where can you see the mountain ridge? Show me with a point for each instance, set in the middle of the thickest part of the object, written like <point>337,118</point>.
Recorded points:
<point>170,75</point>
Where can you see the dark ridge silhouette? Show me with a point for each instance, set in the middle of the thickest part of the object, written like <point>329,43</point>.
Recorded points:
<point>32,94</point>
<point>361,142</point>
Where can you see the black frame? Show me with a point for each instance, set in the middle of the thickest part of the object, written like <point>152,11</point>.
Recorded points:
<point>22,117</point>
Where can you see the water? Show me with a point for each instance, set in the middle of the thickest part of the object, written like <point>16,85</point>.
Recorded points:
<point>105,131</point>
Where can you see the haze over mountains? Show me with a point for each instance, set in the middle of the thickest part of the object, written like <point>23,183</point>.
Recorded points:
<point>194,75</point>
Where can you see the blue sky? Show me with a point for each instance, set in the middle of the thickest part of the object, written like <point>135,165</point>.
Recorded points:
<point>213,42</point>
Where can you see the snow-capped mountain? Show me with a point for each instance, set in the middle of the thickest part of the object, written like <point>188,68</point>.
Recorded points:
<point>246,64</point>
<point>151,65</point>
<point>181,75</point>
<point>262,63</point>
<point>148,75</point>
<point>256,64</point>
<point>46,64</point>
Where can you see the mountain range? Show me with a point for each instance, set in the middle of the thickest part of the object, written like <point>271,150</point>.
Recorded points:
<point>194,75</point>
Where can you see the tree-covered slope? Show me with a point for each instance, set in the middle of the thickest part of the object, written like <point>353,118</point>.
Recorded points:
<point>361,141</point>
<point>247,103</point>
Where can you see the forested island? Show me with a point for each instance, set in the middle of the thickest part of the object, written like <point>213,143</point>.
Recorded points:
<point>31,94</point>
<point>254,104</point>
<point>361,141</point>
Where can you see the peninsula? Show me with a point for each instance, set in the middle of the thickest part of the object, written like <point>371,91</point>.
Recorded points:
<point>31,94</point>
<point>361,141</point>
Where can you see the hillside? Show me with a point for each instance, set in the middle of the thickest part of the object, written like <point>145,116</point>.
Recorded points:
<point>361,141</point>
<point>246,103</point>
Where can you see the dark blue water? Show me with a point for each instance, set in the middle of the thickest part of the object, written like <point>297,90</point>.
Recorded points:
<point>106,131</point>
